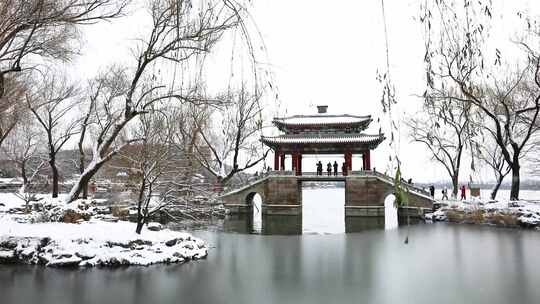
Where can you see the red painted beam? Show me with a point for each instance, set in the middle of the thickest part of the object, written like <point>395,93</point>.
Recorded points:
<point>276,160</point>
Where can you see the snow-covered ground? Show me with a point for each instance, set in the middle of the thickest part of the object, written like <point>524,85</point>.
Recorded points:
<point>11,200</point>
<point>9,180</point>
<point>25,238</point>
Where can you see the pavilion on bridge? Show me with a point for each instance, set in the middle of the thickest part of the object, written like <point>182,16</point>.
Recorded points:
<point>322,134</point>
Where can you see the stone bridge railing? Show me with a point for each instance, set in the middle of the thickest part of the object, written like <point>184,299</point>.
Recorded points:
<point>256,179</point>
<point>389,179</point>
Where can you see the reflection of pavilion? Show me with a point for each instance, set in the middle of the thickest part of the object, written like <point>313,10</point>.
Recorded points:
<point>322,134</point>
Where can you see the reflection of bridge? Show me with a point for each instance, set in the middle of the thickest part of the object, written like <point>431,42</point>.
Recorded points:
<point>365,193</point>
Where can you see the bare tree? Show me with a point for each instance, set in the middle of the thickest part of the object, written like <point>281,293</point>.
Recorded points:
<point>445,129</point>
<point>88,111</point>
<point>151,162</point>
<point>490,153</point>
<point>232,144</point>
<point>24,148</point>
<point>46,28</point>
<point>514,107</point>
<point>457,59</point>
<point>160,169</point>
<point>190,121</point>
<point>51,104</point>
<point>180,30</point>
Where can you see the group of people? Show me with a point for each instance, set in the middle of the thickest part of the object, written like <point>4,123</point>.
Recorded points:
<point>444,192</point>
<point>329,168</point>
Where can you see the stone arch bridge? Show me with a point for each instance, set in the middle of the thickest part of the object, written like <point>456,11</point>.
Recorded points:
<point>365,193</point>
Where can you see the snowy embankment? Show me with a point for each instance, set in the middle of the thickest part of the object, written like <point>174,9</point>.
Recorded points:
<point>501,213</point>
<point>39,238</point>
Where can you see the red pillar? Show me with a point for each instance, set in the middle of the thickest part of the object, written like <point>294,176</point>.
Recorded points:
<point>364,161</point>
<point>282,162</point>
<point>299,160</point>
<point>367,160</point>
<point>294,159</point>
<point>348,161</point>
<point>276,160</point>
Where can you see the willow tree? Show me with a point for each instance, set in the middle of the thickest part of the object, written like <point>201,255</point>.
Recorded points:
<point>46,29</point>
<point>179,32</point>
<point>52,102</point>
<point>446,131</point>
<point>11,106</point>
<point>231,144</point>
<point>459,59</point>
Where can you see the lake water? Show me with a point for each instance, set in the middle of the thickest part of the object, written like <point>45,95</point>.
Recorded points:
<point>312,260</point>
<point>442,263</point>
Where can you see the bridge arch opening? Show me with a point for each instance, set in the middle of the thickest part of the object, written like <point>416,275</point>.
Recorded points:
<point>390,212</point>
<point>254,200</point>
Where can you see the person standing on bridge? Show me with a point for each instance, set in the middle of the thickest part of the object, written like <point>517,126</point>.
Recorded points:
<point>319,168</point>
<point>335,168</point>
<point>329,169</point>
<point>344,169</point>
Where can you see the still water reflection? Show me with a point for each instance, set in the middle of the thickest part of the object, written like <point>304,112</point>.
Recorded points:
<point>441,264</point>
<point>307,259</point>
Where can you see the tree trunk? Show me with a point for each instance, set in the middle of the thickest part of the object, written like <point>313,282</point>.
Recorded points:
<point>2,88</point>
<point>495,189</point>
<point>23,172</point>
<point>85,191</point>
<point>140,225</point>
<point>514,190</point>
<point>81,169</point>
<point>455,181</point>
<point>54,171</point>
<point>83,181</point>
<point>141,219</point>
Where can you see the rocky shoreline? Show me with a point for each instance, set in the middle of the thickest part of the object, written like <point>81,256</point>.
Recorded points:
<point>78,245</point>
<point>55,234</point>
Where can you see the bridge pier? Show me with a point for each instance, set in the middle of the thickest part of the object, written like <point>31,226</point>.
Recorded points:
<point>283,196</point>
<point>364,196</point>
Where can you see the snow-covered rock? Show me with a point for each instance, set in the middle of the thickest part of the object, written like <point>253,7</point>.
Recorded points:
<point>154,226</point>
<point>437,216</point>
<point>79,210</point>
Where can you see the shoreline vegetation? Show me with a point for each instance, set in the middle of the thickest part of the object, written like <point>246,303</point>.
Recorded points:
<point>502,213</point>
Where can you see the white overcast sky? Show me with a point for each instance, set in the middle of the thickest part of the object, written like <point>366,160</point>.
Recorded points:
<point>323,52</point>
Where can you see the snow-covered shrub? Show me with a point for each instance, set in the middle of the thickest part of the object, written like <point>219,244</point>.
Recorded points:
<point>74,212</point>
